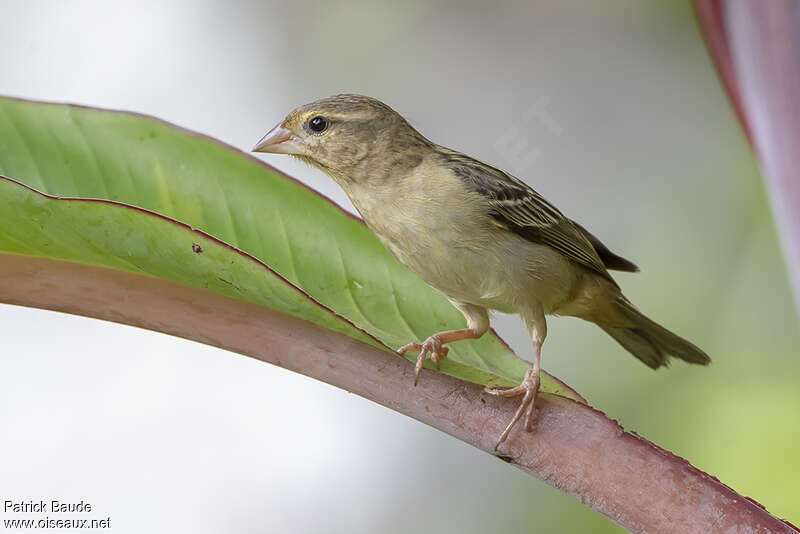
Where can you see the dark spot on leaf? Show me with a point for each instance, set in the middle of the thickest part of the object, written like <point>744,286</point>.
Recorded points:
<point>229,283</point>
<point>197,249</point>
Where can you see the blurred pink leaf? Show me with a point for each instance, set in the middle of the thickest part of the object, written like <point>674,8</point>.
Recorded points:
<point>756,49</point>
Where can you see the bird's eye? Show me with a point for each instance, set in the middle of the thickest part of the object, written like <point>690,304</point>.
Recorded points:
<point>318,123</point>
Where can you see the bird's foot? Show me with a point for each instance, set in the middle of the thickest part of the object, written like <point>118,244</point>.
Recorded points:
<point>430,347</point>
<point>528,388</point>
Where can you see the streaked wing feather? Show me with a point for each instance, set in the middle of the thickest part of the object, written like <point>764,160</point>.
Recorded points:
<point>524,211</point>
<point>613,262</point>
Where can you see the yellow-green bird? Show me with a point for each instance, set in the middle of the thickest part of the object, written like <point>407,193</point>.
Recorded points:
<point>480,236</point>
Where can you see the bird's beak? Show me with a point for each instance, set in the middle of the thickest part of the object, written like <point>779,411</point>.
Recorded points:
<point>280,140</point>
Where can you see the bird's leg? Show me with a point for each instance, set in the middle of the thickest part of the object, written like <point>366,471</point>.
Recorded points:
<point>433,347</point>
<point>528,389</point>
<point>477,325</point>
<point>530,384</point>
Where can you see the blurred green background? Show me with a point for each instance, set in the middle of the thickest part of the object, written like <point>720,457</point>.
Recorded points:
<point>611,110</point>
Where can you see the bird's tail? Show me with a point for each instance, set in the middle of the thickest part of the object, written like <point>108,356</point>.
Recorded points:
<point>651,342</point>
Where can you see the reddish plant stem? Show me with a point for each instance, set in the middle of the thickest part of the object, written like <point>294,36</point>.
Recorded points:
<point>574,447</point>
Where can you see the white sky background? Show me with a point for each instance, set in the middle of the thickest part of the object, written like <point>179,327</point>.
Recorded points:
<point>166,435</point>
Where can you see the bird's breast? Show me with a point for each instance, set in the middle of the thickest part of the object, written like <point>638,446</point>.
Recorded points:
<point>443,233</point>
<point>441,239</point>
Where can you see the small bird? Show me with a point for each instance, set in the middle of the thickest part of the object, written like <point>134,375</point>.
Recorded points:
<point>480,236</point>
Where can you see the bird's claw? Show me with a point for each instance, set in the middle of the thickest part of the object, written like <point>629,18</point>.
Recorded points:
<point>528,389</point>
<point>430,347</point>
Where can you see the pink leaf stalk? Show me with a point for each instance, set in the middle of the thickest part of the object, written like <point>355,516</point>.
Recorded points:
<point>574,447</point>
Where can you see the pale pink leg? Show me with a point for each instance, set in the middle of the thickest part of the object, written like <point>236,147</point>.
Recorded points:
<point>528,389</point>
<point>477,325</point>
<point>433,346</point>
<point>534,319</point>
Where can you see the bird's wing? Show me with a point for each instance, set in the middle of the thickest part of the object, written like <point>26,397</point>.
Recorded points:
<point>525,212</point>
<point>613,262</point>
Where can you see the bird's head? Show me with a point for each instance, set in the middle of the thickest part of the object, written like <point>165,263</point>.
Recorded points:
<point>344,135</point>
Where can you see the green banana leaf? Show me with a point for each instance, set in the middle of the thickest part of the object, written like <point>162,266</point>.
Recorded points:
<point>184,207</point>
